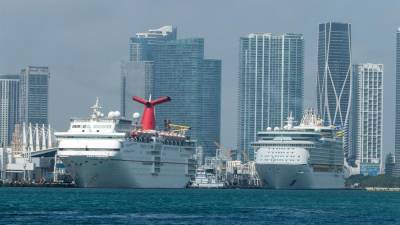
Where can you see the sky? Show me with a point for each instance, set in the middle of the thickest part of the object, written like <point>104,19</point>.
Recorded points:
<point>83,43</point>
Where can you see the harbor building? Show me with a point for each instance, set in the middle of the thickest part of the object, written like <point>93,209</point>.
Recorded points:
<point>271,84</point>
<point>334,76</point>
<point>9,107</point>
<point>366,121</point>
<point>34,95</point>
<point>396,170</point>
<point>176,68</point>
<point>31,156</point>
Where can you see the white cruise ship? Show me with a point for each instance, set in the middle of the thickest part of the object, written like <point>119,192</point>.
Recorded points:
<point>308,156</point>
<point>112,152</point>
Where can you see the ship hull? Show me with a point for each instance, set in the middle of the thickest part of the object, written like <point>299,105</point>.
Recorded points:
<point>91,172</point>
<point>299,176</point>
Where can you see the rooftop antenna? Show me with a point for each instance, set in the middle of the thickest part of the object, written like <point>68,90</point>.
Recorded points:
<point>148,119</point>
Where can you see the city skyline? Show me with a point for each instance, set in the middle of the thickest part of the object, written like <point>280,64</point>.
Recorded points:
<point>93,69</point>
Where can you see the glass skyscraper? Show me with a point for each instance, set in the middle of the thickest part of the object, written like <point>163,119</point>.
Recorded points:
<point>396,170</point>
<point>137,73</point>
<point>9,107</point>
<point>367,118</point>
<point>271,73</point>
<point>34,95</point>
<point>136,78</point>
<point>194,84</point>
<point>177,68</point>
<point>334,75</point>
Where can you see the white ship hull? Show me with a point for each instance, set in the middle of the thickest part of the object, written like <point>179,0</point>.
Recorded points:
<point>281,176</point>
<point>137,165</point>
<point>117,173</point>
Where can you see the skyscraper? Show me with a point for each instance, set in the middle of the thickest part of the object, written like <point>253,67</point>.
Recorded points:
<point>334,75</point>
<point>396,170</point>
<point>194,84</point>
<point>137,73</point>
<point>389,164</point>
<point>271,73</point>
<point>136,78</point>
<point>140,46</point>
<point>34,95</point>
<point>167,66</point>
<point>9,107</point>
<point>367,118</point>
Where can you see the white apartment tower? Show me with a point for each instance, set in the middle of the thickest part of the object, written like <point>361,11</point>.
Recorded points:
<point>367,118</point>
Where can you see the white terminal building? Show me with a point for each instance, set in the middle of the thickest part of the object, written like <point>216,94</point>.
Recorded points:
<point>367,118</point>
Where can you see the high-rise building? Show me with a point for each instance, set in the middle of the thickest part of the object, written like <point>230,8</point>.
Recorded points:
<point>9,107</point>
<point>34,95</point>
<point>366,121</point>
<point>396,171</point>
<point>160,64</point>
<point>137,73</point>
<point>389,164</point>
<point>194,84</point>
<point>271,77</point>
<point>334,76</point>
<point>140,46</point>
<point>136,78</point>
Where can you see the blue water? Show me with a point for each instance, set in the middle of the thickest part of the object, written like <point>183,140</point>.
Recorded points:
<point>190,206</point>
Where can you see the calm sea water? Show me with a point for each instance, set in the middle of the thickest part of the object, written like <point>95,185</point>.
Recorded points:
<point>189,206</point>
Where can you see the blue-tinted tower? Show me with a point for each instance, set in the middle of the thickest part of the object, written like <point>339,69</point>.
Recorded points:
<point>177,68</point>
<point>9,107</point>
<point>334,76</point>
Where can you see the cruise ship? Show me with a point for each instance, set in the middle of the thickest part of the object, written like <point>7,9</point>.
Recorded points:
<point>307,156</point>
<point>113,152</point>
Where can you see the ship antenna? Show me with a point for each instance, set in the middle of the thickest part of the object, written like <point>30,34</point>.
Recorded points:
<point>96,109</point>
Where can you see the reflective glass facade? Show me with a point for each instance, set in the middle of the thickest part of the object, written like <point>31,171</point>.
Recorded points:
<point>194,84</point>
<point>271,73</point>
<point>9,107</point>
<point>34,95</point>
<point>334,75</point>
<point>136,78</point>
<point>162,65</point>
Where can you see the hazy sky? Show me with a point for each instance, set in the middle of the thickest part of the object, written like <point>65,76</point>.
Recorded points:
<point>83,43</point>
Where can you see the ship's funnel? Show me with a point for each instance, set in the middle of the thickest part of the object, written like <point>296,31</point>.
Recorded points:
<point>148,119</point>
